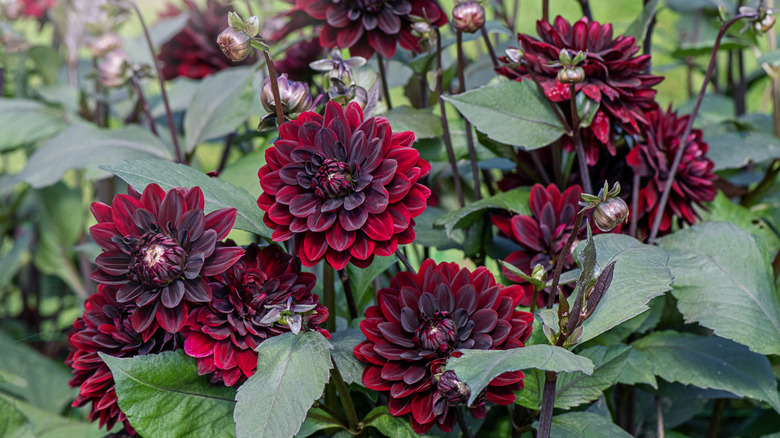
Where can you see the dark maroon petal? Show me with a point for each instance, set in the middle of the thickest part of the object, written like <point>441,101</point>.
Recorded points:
<point>221,221</point>
<point>341,239</point>
<point>315,245</point>
<point>172,320</point>
<point>393,333</point>
<point>129,292</point>
<point>222,259</point>
<point>197,290</point>
<point>101,211</point>
<point>171,295</point>
<point>194,265</point>
<point>379,226</point>
<point>304,204</point>
<point>113,262</point>
<point>376,200</point>
<point>389,23</point>
<point>206,244</point>
<point>144,220</point>
<point>352,220</point>
<point>198,345</point>
<point>122,210</point>
<point>170,209</point>
<point>143,317</point>
<point>321,221</point>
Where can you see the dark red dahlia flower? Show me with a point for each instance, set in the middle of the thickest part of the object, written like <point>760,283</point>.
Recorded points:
<point>297,59</point>
<point>29,8</point>
<point>613,76</point>
<point>652,160</point>
<point>423,319</point>
<point>541,235</point>
<point>345,188</point>
<point>106,327</point>
<point>262,295</point>
<point>158,248</point>
<point>368,26</point>
<point>193,52</point>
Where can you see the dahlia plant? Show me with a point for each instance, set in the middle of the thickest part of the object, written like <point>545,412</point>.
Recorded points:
<point>235,220</point>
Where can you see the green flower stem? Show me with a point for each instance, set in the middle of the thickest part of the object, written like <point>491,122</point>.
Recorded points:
<point>269,63</point>
<point>405,261</point>
<point>444,124</point>
<point>462,422</point>
<point>577,137</point>
<point>659,417</point>
<point>346,399</point>
<point>344,276</point>
<point>689,126</point>
<point>469,135</point>
<point>489,45</point>
<point>144,105</point>
<point>548,401</point>
<point>383,77</point>
<point>539,166</point>
<point>546,10</point>
<point>163,93</point>
<point>562,256</point>
<point>226,152</point>
<point>635,205</point>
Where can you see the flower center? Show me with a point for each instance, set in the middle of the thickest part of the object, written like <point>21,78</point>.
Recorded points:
<point>157,260</point>
<point>437,333</point>
<point>371,6</point>
<point>332,180</point>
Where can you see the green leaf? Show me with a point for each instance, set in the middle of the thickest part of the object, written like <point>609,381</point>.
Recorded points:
<point>163,396</point>
<point>427,234</point>
<point>574,389</point>
<point>317,419</point>
<point>638,28</point>
<point>422,122</point>
<point>292,371</point>
<point>62,219</point>
<point>733,150</point>
<point>585,425</point>
<point>478,367</point>
<point>721,209</point>
<point>637,370</point>
<point>388,425</point>
<point>343,342</point>
<point>11,261</point>
<point>47,61</point>
<point>33,377</point>
<point>23,420</point>
<point>771,57</point>
<point>32,122</point>
<point>83,146</point>
<point>218,193</point>
<point>243,172</point>
<point>640,274</point>
<point>362,280</point>
<point>723,281</point>
<point>515,200</point>
<point>510,112</point>
<point>221,104</point>
<point>710,362</point>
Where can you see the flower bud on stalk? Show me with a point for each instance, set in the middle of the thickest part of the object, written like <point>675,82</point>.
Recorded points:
<point>104,44</point>
<point>295,96</point>
<point>235,44</point>
<point>571,75</point>
<point>114,70</point>
<point>451,389</point>
<point>468,17</point>
<point>610,213</point>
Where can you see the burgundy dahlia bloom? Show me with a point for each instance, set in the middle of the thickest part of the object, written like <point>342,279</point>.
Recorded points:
<point>345,188</point>
<point>613,76</point>
<point>541,235</point>
<point>106,327</point>
<point>193,53</point>
<point>158,248</point>
<point>422,320</point>
<point>250,304</point>
<point>652,160</point>
<point>368,26</point>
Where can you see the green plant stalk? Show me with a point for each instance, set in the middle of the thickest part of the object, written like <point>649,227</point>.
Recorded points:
<point>462,422</point>
<point>269,63</point>
<point>144,104</point>
<point>546,10</point>
<point>469,135</point>
<point>632,230</point>
<point>562,256</point>
<point>344,276</point>
<point>489,45</point>
<point>689,127</point>
<point>445,125</point>
<point>383,77</point>
<point>577,137</point>
<point>659,418</point>
<point>346,399</point>
<point>405,261</point>
<point>163,93</point>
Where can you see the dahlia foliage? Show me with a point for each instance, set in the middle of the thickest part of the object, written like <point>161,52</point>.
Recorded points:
<point>421,321</point>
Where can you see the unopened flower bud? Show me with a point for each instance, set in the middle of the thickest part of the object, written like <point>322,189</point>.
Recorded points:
<point>252,26</point>
<point>468,17</point>
<point>765,23</point>
<point>514,55</point>
<point>571,75</point>
<point>105,43</point>
<point>453,390</point>
<point>610,213</point>
<point>295,96</point>
<point>113,70</point>
<point>235,44</point>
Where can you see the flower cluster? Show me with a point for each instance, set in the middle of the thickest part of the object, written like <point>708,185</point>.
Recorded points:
<point>165,280</point>
<point>421,321</point>
<point>346,188</point>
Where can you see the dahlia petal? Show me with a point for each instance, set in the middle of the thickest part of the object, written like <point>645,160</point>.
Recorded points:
<point>321,220</point>
<point>144,220</point>
<point>193,198</point>
<point>304,204</point>
<point>197,290</point>
<point>386,248</point>
<point>172,320</point>
<point>379,227</point>
<point>383,43</point>
<point>332,204</point>
<point>122,214</point>
<point>171,209</point>
<point>352,220</point>
<point>416,199</point>
<point>337,259</point>
<point>376,199</point>
<point>361,247</point>
<point>152,197</point>
<point>373,380</point>
<point>113,262</point>
<point>102,233</point>
<point>385,172</point>
<point>224,356</point>
<point>129,292</point>
<point>413,374</point>
<point>409,321</point>
<point>393,370</point>
<point>336,16</point>
<point>392,332</point>
<point>400,406</point>
<point>171,295</point>
<point>354,200</point>
<point>221,221</point>
<point>398,187</point>
<point>194,264</point>
<point>388,22</point>
<point>422,407</point>
<point>205,245</point>
<point>143,317</point>
<point>341,239</point>
<point>198,345</point>
<point>314,245</point>
<point>348,36</point>
<point>101,211</point>
<point>222,259</point>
